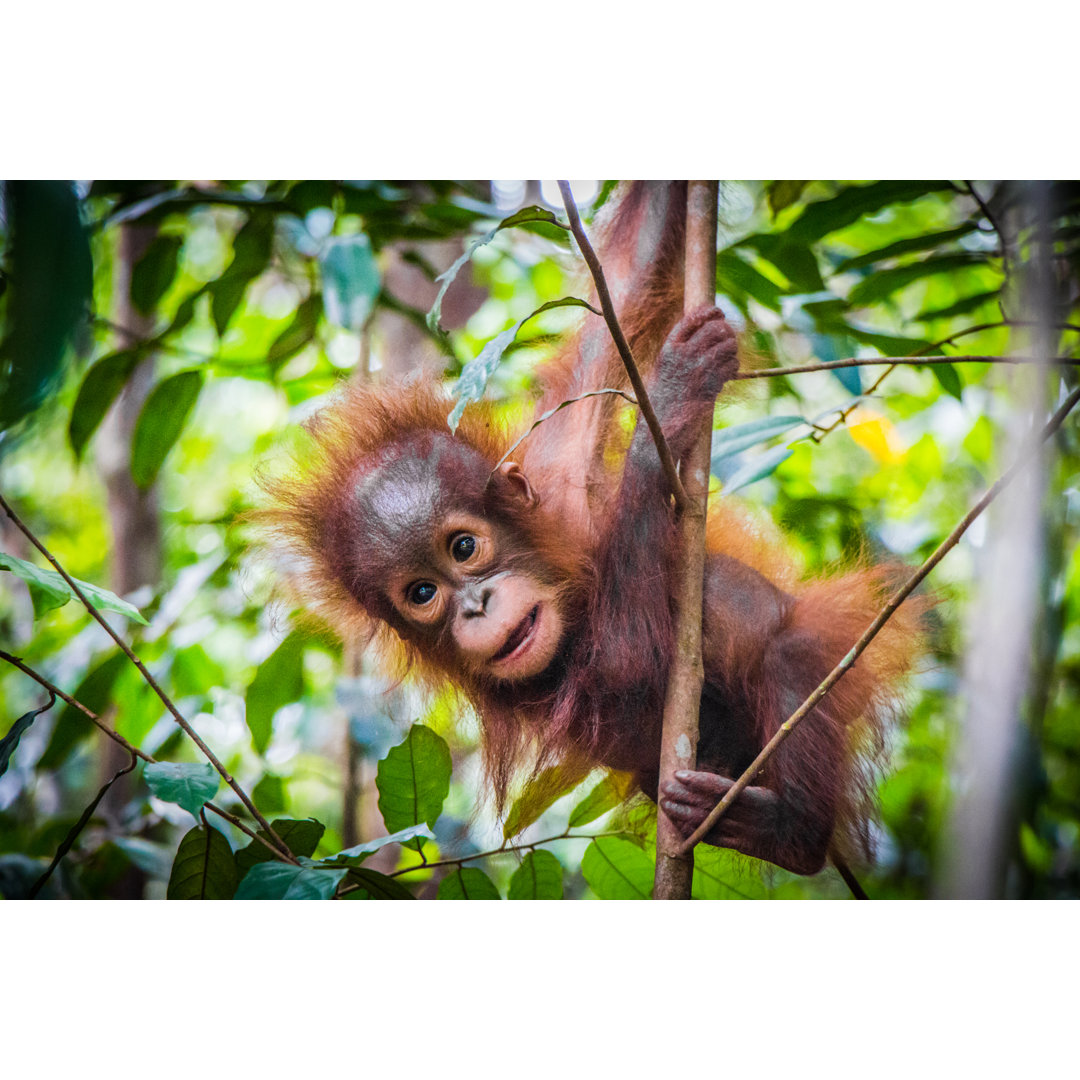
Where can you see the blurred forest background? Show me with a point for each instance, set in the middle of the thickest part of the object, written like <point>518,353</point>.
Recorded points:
<point>159,342</point>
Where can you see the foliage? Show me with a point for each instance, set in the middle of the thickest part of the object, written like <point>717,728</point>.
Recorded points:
<point>258,299</point>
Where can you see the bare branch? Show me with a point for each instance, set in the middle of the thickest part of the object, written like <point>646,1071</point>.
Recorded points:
<point>894,361</point>
<point>666,460</point>
<point>1006,264</point>
<point>551,412</point>
<point>503,849</point>
<point>73,832</point>
<point>150,680</point>
<point>682,697</point>
<point>132,749</point>
<point>883,617</point>
<point>42,681</point>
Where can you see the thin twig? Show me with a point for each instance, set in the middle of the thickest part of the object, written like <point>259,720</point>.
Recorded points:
<point>883,617</point>
<point>893,361</point>
<point>551,412</point>
<point>1006,264</point>
<point>73,832</point>
<point>150,680</point>
<point>504,849</point>
<point>910,361</point>
<point>42,681</point>
<point>667,462</point>
<point>132,749</point>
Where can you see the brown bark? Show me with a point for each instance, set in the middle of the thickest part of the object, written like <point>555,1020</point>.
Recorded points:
<point>674,871</point>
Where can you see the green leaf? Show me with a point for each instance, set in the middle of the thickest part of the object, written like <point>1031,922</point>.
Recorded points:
<point>413,781</point>
<point>923,242</point>
<point>606,190</point>
<point>154,859</point>
<point>194,671</point>
<point>475,374</point>
<point>351,280</point>
<point>527,215</point>
<point>160,423</point>
<point>964,306</point>
<point>185,311</point>
<point>299,333</point>
<point>99,389</point>
<point>375,886</point>
<point>617,869</point>
<point>949,379</point>
<point>468,883</point>
<point>300,837</point>
<point>756,468</point>
<point>446,278</point>
<point>886,344</point>
<point>279,681</point>
<point>188,785</point>
<point>884,283</point>
<point>204,868</point>
<point>269,794</point>
<point>611,791</point>
<point>252,248</point>
<point>721,874</point>
<point>1038,854</point>
<point>543,790</point>
<point>72,725</point>
<point>49,272</point>
<point>356,855</point>
<point>737,279</point>
<point>539,877</point>
<point>828,215</point>
<point>155,272</point>
<point>795,261</point>
<point>733,440</point>
<point>11,740</point>
<point>49,590</point>
<point>283,881</point>
<point>783,193</point>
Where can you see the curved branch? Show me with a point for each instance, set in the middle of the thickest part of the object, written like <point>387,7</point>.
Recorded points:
<point>551,412</point>
<point>667,462</point>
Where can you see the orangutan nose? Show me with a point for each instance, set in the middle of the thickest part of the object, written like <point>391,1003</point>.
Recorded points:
<point>474,599</point>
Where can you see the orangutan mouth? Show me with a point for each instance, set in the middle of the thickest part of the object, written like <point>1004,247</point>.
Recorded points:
<point>519,637</point>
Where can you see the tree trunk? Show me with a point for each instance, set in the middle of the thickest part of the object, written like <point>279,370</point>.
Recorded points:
<point>134,524</point>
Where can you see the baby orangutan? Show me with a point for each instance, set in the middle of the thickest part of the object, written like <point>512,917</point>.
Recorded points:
<point>542,586</point>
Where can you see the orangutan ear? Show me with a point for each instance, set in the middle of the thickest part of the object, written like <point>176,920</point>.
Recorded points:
<point>519,484</point>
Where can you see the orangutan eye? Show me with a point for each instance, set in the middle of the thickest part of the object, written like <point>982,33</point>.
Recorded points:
<point>421,592</point>
<point>463,547</point>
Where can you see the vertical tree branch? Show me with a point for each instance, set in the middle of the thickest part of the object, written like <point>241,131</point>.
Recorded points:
<point>674,867</point>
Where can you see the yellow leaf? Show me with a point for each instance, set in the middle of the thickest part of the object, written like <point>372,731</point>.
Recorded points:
<point>876,435</point>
